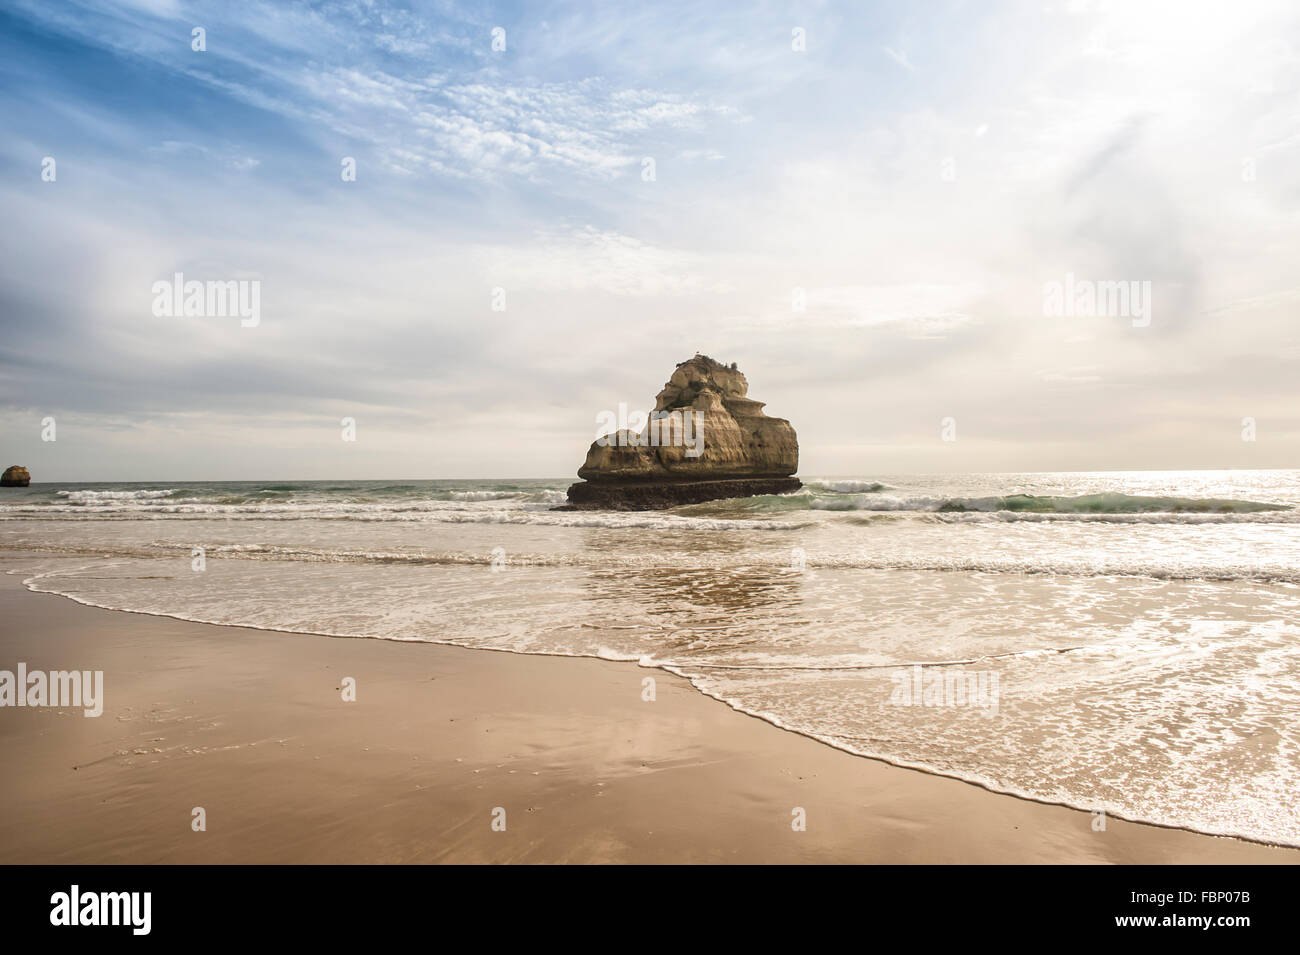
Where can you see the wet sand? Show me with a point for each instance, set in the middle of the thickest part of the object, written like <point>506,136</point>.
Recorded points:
<point>251,726</point>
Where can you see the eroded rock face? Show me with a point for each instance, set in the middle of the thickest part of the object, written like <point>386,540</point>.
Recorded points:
<point>15,476</point>
<point>704,428</point>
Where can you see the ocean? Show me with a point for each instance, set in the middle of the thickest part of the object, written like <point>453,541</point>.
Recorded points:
<point>1122,642</point>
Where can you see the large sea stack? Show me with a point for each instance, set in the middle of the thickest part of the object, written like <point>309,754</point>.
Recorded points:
<point>705,440</point>
<point>15,476</point>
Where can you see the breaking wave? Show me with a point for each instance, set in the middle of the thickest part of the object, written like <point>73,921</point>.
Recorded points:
<point>95,497</point>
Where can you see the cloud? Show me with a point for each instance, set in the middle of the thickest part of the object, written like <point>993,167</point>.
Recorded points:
<point>900,58</point>
<point>920,210</point>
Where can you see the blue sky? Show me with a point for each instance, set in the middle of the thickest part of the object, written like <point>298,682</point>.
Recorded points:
<point>919,170</point>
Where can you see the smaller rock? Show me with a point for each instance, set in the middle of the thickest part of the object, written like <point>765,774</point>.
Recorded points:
<point>15,476</point>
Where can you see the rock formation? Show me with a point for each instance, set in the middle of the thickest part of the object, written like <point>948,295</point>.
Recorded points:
<point>705,440</point>
<point>15,476</point>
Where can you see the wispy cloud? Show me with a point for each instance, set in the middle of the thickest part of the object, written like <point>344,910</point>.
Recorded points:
<point>900,58</point>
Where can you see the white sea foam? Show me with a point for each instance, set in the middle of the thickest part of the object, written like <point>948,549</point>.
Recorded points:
<point>844,487</point>
<point>111,496</point>
<point>483,495</point>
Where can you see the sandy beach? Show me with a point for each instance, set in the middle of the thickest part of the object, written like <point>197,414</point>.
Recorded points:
<point>250,725</point>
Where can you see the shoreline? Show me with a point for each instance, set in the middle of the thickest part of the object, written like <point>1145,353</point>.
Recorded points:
<point>670,671</point>
<point>249,724</point>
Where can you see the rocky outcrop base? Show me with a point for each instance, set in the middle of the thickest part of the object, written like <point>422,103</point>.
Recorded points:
<point>657,495</point>
<point>15,476</point>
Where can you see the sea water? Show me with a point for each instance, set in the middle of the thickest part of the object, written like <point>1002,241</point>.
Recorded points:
<point>1136,634</point>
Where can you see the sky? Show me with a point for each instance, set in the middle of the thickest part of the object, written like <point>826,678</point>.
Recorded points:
<point>862,205</point>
